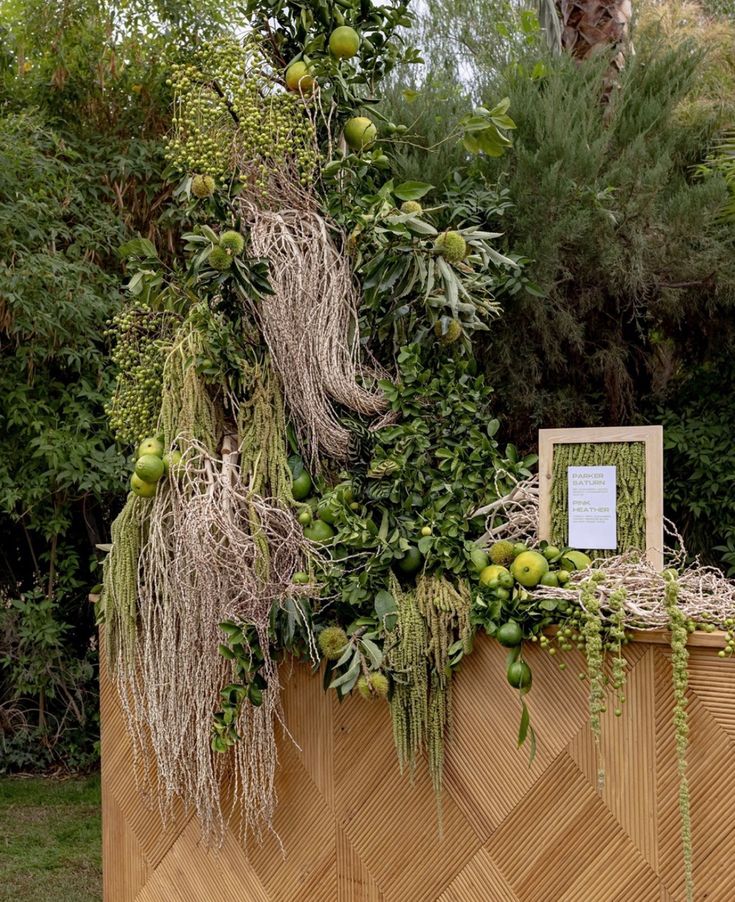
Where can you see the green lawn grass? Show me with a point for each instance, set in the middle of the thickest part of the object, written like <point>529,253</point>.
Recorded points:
<point>50,840</point>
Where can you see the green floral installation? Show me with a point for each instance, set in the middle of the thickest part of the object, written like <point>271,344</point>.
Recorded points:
<point>317,471</point>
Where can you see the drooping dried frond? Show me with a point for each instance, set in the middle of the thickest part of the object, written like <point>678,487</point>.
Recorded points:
<point>310,326</point>
<point>215,551</point>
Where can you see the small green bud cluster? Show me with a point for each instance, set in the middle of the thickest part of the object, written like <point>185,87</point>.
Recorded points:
<point>227,117</point>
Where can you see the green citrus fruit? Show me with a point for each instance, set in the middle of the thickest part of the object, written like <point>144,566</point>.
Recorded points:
<point>149,468</point>
<point>140,488</point>
<point>479,559</point>
<point>563,577</point>
<point>305,517</point>
<point>575,560</point>
<point>505,580</point>
<point>300,578</point>
<point>528,568</point>
<point>172,463</point>
<point>150,446</point>
<point>490,576</point>
<point>301,486</point>
<point>501,593</point>
<point>344,42</point>
<point>426,530</point>
<point>299,78</point>
<point>360,132</point>
<point>519,675</point>
<point>319,531</point>
<point>551,552</point>
<point>519,548</point>
<point>550,578</point>
<point>509,634</point>
<point>410,562</point>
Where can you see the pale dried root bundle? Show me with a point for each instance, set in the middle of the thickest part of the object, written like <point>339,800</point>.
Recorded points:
<point>513,517</point>
<point>309,324</point>
<point>705,595</point>
<point>215,551</point>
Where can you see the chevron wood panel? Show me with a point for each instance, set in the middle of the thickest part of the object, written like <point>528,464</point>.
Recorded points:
<point>355,829</point>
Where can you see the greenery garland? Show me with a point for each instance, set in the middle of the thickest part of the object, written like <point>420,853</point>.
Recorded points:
<point>592,634</point>
<point>630,462</point>
<point>679,666</point>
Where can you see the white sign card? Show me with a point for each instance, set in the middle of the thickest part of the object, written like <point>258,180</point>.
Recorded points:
<point>592,494</point>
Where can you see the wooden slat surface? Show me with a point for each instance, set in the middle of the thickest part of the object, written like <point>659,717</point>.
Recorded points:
<point>356,830</point>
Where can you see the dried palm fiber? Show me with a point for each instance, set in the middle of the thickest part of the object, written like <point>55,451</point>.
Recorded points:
<point>446,611</point>
<point>310,326</point>
<point>514,516</point>
<point>118,607</point>
<point>202,564</point>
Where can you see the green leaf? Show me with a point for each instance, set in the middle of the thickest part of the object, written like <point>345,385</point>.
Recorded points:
<point>412,190</point>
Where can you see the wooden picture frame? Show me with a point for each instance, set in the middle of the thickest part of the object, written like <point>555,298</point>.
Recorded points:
<point>653,439</point>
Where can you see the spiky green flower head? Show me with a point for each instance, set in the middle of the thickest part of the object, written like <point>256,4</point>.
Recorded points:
<point>451,334</point>
<point>232,241</point>
<point>411,206</point>
<point>375,685</point>
<point>451,246</point>
<point>219,259</point>
<point>332,641</point>
<point>202,186</point>
<point>379,684</point>
<point>502,553</point>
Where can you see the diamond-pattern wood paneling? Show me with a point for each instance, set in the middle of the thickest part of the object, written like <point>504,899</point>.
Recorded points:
<point>355,830</point>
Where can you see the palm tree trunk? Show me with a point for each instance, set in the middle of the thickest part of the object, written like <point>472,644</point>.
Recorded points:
<point>591,27</point>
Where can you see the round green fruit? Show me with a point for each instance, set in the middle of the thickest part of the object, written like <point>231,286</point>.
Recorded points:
<point>550,579</point>
<point>300,578</point>
<point>502,594</point>
<point>426,530</point>
<point>502,552</point>
<point>202,186</point>
<point>172,463</point>
<point>479,559</point>
<point>344,42</point>
<point>305,517</point>
<point>529,568</point>
<point>490,576</point>
<point>563,577</point>
<point>451,245</point>
<point>551,552</point>
<point>150,446</point>
<point>326,511</point>
<point>299,78</point>
<point>519,548</point>
<point>519,675</point>
<point>319,532</point>
<point>232,241</point>
<point>149,468</point>
<point>509,634</point>
<point>410,562</point>
<point>219,259</point>
<point>411,206</point>
<point>140,488</point>
<point>452,333</point>
<point>301,486</point>
<point>332,641</point>
<point>360,132</point>
<point>575,560</point>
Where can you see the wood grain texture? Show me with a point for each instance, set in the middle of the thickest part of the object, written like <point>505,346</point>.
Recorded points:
<point>653,439</point>
<point>355,830</point>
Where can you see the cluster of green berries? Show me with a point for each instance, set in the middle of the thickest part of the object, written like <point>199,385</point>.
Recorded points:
<point>228,116</point>
<point>138,355</point>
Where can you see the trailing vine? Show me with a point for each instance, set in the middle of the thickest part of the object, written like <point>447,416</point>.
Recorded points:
<point>592,632</point>
<point>680,670</point>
